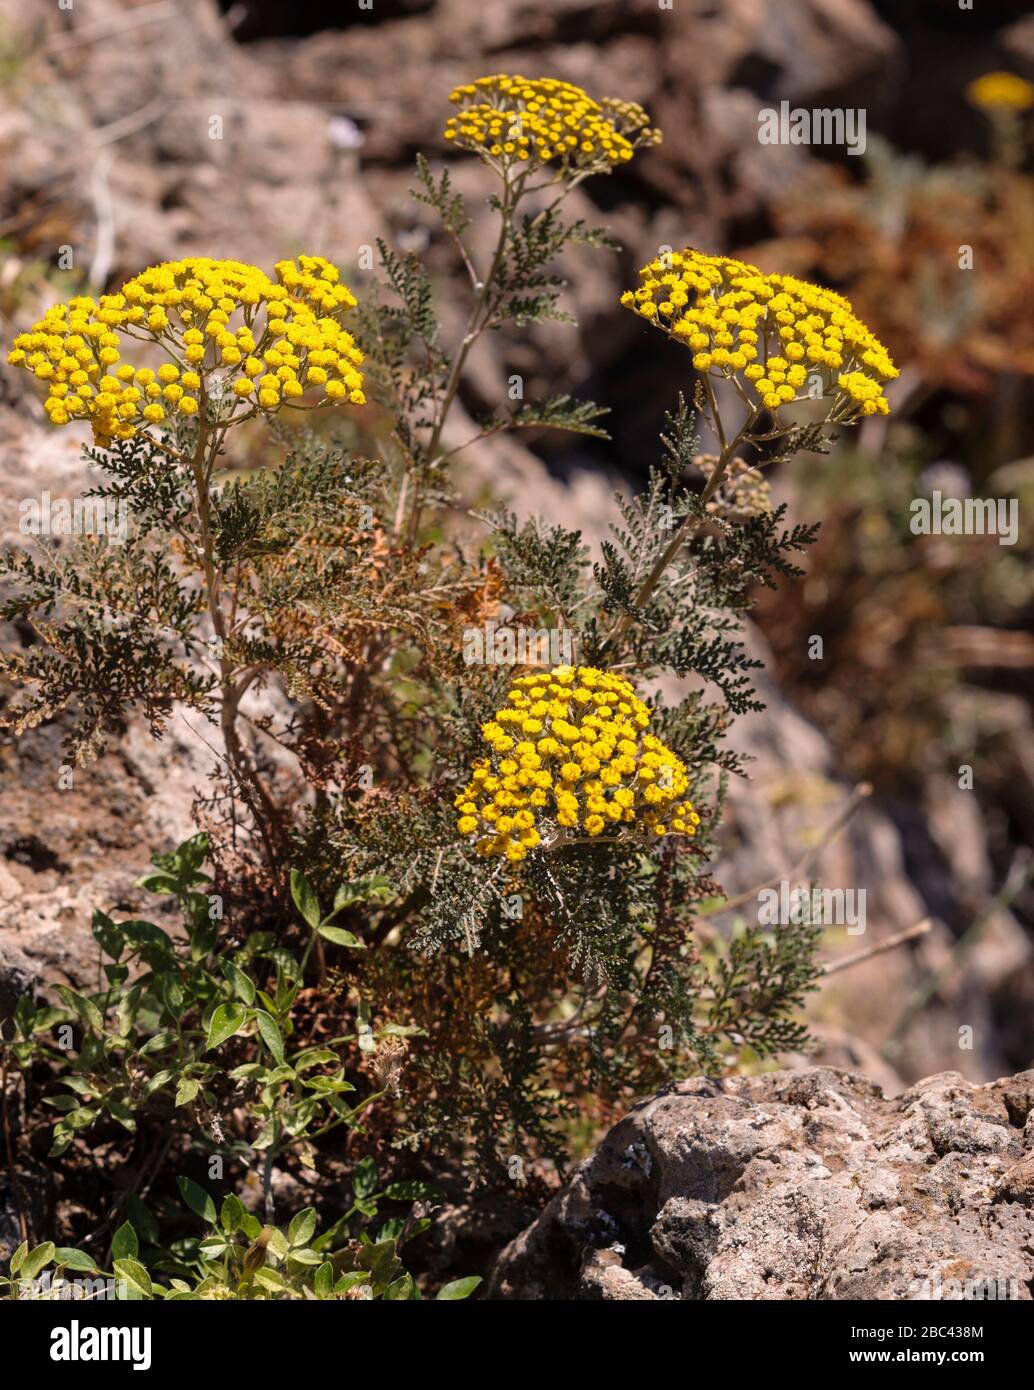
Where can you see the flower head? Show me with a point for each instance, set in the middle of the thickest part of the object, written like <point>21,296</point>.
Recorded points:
<point>571,756</point>
<point>779,336</point>
<point>542,121</point>
<point>997,90</point>
<point>231,337</point>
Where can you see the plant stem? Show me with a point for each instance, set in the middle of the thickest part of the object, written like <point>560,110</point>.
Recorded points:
<point>688,527</point>
<point>267,1184</point>
<point>476,325</point>
<point>892,942</point>
<point>253,790</point>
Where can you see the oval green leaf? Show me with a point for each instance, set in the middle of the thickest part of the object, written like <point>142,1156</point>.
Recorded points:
<point>227,1020</point>
<point>459,1288</point>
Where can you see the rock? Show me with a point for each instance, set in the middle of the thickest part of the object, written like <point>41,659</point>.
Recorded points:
<point>18,976</point>
<point>1018,39</point>
<point>811,49</point>
<point>790,1186</point>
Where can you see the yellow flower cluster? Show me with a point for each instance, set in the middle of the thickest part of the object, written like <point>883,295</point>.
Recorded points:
<point>570,752</point>
<point>779,332</point>
<point>233,337</point>
<point>538,121</point>
<point>1001,89</point>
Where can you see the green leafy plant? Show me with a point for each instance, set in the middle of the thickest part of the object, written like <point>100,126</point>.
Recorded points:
<point>188,1024</point>
<point>238,1258</point>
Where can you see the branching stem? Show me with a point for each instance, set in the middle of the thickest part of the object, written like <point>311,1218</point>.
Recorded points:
<point>689,525</point>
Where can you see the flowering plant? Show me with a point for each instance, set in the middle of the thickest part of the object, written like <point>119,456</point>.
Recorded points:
<point>774,330</point>
<point>1001,90</point>
<point>532,935</point>
<point>588,726</point>
<point>234,340</point>
<point>515,121</point>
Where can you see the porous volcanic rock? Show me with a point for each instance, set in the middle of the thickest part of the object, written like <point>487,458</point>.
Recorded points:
<point>796,1185</point>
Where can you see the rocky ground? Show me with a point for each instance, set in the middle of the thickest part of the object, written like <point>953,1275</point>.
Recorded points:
<point>796,1186</point>
<point>106,124</point>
